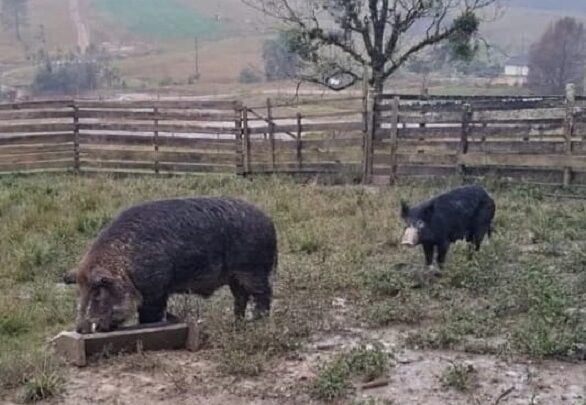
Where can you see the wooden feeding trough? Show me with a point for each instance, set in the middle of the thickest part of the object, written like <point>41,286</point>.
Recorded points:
<point>78,348</point>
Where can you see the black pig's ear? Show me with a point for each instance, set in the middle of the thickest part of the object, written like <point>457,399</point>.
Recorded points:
<point>428,212</point>
<point>404,209</point>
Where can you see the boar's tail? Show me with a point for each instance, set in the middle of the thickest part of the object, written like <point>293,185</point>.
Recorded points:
<point>276,262</point>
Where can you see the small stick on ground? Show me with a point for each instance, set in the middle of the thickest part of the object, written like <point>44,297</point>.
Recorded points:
<point>375,384</point>
<point>504,394</point>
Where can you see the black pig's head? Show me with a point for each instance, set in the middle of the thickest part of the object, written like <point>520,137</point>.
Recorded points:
<point>416,223</point>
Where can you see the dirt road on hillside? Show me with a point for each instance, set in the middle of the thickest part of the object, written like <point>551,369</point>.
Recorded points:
<point>83,37</point>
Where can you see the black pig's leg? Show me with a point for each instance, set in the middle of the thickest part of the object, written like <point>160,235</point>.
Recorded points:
<point>152,310</point>
<point>259,287</point>
<point>428,250</point>
<point>241,297</point>
<point>442,252</point>
<point>262,300</point>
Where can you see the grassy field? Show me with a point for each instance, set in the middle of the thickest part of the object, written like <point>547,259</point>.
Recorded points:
<point>158,19</point>
<point>340,267</point>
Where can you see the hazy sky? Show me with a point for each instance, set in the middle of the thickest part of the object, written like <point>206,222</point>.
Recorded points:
<point>561,5</point>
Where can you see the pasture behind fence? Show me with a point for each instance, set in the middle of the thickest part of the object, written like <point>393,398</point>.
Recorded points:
<point>376,138</point>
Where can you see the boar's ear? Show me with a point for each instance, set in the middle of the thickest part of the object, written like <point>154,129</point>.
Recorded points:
<point>101,278</point>
<point>404,209</point>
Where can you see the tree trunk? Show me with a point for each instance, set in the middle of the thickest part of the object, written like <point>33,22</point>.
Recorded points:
<point>378,82</point>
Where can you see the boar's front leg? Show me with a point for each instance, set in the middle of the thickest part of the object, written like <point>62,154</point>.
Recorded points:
<point>82,323</point>
<point>442,252</point>
<point>428,249</point>
<point>152,310</point>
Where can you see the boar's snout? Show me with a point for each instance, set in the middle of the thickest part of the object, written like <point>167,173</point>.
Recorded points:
<point>410,236</point>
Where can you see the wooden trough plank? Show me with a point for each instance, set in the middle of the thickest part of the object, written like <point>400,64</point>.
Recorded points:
<point>36,139</point>
<point>78,348</point>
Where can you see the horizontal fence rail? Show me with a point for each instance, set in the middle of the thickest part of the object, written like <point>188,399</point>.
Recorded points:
<point>373,138</point>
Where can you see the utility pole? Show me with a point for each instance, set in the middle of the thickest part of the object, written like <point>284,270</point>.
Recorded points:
<point>196,76</point>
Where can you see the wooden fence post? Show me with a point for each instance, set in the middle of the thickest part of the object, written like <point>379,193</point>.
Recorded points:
<point>76,161</point>
<point>369,136</point>
<point>271,134</point>
<point>156,140</point>
<point>394,138</point>
<point>238,111</point>
<point>246,133</point>
<point>466,120</point>
<point>299,144</point>
<point>569,128</point>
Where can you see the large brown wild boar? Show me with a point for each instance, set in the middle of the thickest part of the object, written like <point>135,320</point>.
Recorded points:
<point>189,245</point>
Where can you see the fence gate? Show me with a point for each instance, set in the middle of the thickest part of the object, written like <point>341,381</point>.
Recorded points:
<point>307,137</point>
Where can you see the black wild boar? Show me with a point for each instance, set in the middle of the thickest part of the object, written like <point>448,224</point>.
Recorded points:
<point>190,245</point>
<point>462,213</point>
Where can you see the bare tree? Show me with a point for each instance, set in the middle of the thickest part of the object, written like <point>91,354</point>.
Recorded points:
<point>14,16</point>
<point>338,39</point>
<point>558,58</point>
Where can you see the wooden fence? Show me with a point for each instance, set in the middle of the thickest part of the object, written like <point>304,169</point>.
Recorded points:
<point>304,137</point>
<point>144,136</point>
<point>376,138</point>
<point>539,140</point>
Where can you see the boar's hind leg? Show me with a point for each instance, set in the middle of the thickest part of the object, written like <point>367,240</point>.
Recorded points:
<point>259,287</point>
<point>241,297</point>
<point>152,311</point>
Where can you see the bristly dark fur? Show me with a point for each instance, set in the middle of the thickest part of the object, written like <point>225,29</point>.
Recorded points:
<point>190,245</point>
<point>462,213</point>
